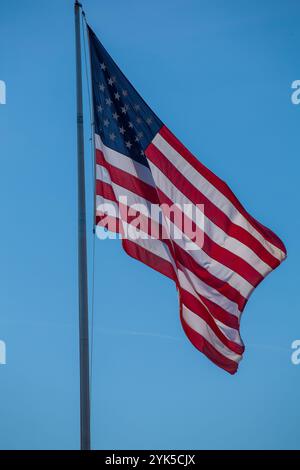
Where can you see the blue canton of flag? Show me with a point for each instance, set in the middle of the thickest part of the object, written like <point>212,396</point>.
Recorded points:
<point>122,118</point>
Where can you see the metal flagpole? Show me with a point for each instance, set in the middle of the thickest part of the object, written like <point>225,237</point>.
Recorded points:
<point>85,436</point>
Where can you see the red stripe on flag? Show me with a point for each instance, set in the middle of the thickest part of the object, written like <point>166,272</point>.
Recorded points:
<point>206,348</point>
<point>221,186</point>
<point>211,210</point>
<point>219,253</point>
<point>150,259</point>
<point>197,307</point>
<point>127,181</point>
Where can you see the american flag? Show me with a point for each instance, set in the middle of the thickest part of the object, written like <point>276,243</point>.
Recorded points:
<point>140,161</point>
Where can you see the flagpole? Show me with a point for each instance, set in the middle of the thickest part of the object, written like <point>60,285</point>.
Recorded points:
<point>85,437</point>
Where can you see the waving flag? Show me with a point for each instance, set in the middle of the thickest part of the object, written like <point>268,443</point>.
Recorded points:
<point>207,243</point>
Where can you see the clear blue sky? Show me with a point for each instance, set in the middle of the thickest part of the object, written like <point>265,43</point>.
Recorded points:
<point>219,74</point>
